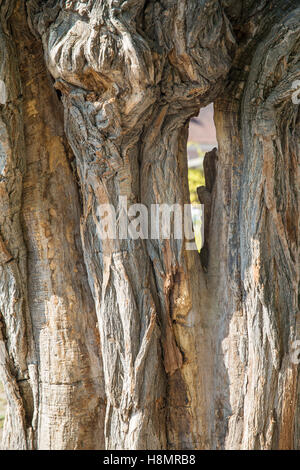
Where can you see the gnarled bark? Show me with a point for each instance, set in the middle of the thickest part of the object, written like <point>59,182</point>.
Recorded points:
<point>254,241</point>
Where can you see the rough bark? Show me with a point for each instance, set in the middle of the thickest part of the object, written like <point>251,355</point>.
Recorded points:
<point>195,349</point>
<point>51,362</point>
<point>254,240</point>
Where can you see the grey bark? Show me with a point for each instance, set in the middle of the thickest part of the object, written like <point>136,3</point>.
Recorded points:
<point>195,350</point>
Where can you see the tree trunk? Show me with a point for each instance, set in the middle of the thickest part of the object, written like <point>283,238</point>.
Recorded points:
<point>194,351</point>
<point>258,180</point>
<point>51,365</point>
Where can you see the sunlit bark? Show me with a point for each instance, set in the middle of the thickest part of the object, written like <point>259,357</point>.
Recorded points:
<point>141,344</point>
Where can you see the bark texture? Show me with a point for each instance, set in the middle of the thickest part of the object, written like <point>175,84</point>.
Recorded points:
<point>50,360</point>
<point>255,234</point>
<point>194,351</point>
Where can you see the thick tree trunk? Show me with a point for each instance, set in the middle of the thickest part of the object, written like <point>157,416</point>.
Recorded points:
<point>195,350</point>
<point>260,229</point>
<point>254,242</point>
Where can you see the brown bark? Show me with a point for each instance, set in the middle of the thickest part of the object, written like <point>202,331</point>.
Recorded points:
<point>195,349</point>
<point>254,242</point>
